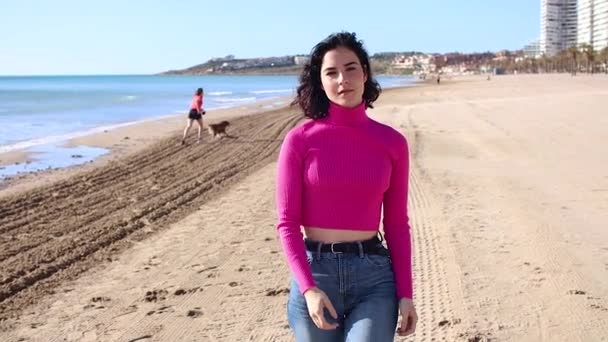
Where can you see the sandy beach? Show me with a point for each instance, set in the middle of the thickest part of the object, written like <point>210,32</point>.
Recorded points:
<point>160,242</point>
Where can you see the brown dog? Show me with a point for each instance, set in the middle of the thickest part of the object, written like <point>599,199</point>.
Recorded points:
<point>218,129</point>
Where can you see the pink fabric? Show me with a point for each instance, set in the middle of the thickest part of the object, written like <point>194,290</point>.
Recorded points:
<point>339,172</point>
<point>197,102</point>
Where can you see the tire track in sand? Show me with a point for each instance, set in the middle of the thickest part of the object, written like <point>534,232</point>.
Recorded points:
<point>184,177</point>
<point>437,292</point>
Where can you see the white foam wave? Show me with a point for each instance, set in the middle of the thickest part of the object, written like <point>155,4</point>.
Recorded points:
<point>236,99</point>
<point>276,91</point>
<point>65,137</point>
<point>219,93</point>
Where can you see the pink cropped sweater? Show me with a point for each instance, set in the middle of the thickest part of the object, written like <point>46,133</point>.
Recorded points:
<point>340,172</point>
<point>197,102</point>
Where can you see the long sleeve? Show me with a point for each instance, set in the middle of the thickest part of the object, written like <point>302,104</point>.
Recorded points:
<point>396,226</point>
<point>289,209</point>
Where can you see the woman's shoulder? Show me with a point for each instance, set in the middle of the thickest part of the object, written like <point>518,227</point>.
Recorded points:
<point>388,133</point>
<point>302,129</point>
<point>295,135</point>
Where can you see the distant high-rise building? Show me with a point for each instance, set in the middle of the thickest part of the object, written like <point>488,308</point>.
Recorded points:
<point>558,26</point>
<point>593,23</point>
<point>532,50</point>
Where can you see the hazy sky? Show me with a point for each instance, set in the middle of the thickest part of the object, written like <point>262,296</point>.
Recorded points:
<point>138,37</point>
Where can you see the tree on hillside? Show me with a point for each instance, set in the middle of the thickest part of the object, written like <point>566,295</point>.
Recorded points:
<point>439,61</point>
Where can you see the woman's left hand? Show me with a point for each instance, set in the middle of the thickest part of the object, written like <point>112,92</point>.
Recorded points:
<point>408,317</point>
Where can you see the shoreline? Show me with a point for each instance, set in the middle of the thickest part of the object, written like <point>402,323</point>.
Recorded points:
<point>129,137</point>
<point>21,152</point>
<point>21,155</point>
<point>122,141</point>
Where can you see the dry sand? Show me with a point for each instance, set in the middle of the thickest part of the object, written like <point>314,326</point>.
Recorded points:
<point>508,199</point>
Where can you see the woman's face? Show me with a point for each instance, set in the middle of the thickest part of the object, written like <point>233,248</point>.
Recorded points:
<point>342,77</point>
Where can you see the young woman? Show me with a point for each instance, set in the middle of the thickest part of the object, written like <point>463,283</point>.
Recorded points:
<point>336,172</point>
<point>195,114</point>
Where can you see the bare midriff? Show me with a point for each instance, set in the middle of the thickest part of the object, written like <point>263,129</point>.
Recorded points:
<point>327,235</point>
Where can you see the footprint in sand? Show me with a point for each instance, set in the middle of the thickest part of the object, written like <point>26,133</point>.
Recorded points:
<point>595,305</point>
<point>446,322</point>
<point>577,292</point>
<point>193,313</point>
<point>161,310</point>
<point>100,299</point>
<point>155,295</point>
<point>276,292</point>
<point>180,292</point>
<point>152,262</point>
<point>475,337</point>
<point>95,303</point>
<point>243,268</point>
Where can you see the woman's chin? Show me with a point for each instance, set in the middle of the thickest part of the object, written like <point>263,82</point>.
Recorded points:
<point>347,102</point>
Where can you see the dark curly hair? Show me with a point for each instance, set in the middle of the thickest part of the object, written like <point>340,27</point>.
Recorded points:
<point>310,95</point>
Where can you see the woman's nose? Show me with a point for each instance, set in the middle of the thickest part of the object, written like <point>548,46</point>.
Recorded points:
<point>342,78</point>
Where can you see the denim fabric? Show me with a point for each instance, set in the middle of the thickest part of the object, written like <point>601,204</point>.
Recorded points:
<point>362,289</point>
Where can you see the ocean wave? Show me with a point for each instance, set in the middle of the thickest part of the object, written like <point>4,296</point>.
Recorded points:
<point>22,145</point>
<point>276,91</point>
<point>219,93</point>
<point>53,139</point>
<point>236,99</point>
<point>128,98</point>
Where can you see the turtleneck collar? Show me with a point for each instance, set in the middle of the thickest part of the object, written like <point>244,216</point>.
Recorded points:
<point>342,116</point>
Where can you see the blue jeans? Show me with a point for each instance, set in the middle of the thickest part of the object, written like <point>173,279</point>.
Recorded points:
<point>361,288</point>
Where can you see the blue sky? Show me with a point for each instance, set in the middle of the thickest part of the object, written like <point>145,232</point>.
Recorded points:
<point>39,37</point>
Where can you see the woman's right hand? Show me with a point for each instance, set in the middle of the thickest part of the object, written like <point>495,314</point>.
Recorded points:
<point>317,301</point>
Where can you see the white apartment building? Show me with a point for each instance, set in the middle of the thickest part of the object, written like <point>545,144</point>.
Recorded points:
<point>593,23</point>
<point>532,50</point>
<point>558,26</point>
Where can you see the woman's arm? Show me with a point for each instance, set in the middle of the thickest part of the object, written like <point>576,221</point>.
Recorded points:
<point>289,209</point>
<point>396,226</point>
